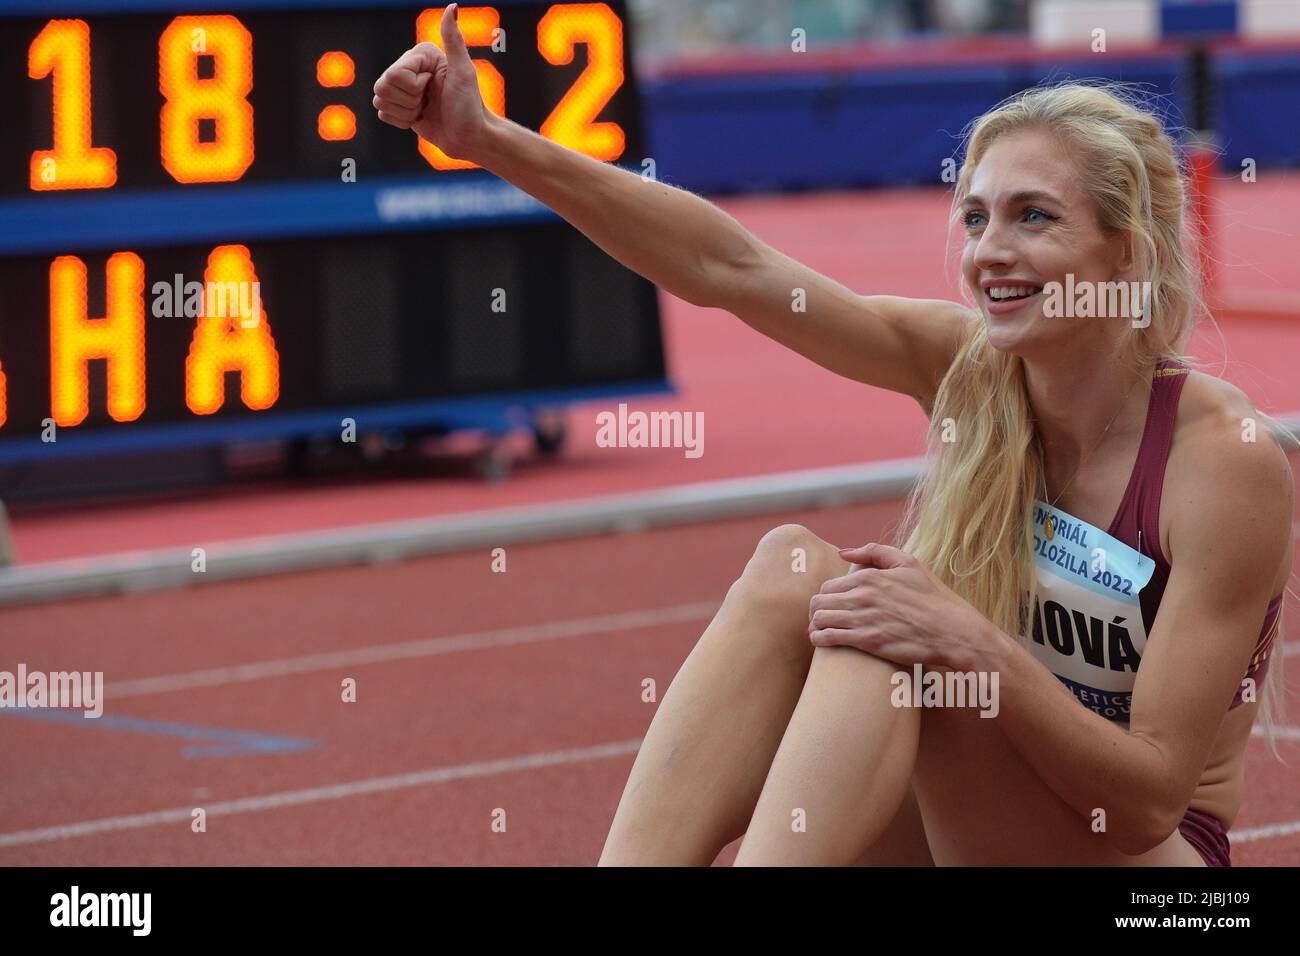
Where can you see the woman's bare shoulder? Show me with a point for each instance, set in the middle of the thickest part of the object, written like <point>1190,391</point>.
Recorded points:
<point>1214,414</point>
<point>1224,452</point>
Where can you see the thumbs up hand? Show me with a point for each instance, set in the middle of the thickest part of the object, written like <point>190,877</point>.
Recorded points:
<point>435,92</point>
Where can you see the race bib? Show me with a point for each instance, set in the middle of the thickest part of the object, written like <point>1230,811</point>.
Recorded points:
<point>1087,624</point>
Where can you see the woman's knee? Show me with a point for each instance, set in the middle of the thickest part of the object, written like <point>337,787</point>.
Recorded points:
<point>788,567</point>
<point>790,561</point>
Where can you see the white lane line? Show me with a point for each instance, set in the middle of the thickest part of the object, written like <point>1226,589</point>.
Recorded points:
<point>426,647</point>
<point>403,781</point>
<point>338,791</point>
<point>1282,733</point>
<point>1267,832</point>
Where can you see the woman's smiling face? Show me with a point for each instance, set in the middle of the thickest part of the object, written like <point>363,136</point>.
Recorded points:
<point>1027,223</point>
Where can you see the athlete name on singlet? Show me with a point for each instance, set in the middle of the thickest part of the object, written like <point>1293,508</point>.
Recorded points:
<point>1087,627</point>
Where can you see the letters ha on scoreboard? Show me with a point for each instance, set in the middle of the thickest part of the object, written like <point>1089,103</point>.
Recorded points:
<point>187,198</point>
<point>232,334</point>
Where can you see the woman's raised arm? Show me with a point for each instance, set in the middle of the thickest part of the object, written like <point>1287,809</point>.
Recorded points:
<point>679,241</point>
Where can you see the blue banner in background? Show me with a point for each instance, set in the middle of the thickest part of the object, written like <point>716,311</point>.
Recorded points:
<point>873,127</point>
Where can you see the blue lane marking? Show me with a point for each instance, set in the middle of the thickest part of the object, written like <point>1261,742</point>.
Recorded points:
<point>230,743</point>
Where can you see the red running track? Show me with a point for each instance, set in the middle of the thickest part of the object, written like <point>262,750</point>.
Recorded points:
<point>476,692</point>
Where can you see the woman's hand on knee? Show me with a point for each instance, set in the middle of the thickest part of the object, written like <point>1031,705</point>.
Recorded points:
<point>891,606</point>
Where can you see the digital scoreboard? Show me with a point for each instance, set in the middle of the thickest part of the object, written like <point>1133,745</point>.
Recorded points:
<point>207,235</point>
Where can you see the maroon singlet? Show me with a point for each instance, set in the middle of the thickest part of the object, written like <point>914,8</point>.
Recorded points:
<point>1137,524</point>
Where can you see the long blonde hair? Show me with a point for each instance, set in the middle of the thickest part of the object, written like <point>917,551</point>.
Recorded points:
<point>970,518</point>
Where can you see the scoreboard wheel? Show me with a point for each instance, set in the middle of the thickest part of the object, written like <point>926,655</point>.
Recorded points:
<point>493,463</point>
<point>549,433</point>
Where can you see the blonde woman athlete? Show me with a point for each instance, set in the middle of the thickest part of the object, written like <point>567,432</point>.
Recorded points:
<point>1098,499</point>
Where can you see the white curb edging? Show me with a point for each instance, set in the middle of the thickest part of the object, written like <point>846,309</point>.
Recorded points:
<point>396,540</point>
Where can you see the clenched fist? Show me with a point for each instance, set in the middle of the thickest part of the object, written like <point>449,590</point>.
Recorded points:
<point>435,92</point>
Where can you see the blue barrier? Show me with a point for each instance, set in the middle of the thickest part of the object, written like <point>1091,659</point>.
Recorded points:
<point>868,127</point>
<point>1206,18</point>
<point>1258,102</point>
<point>814,130</point>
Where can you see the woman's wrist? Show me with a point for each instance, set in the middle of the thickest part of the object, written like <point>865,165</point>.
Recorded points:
<point>490,143</point>
<point>992,650</point>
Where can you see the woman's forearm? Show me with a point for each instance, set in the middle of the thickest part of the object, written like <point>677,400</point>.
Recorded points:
<point>680,242</point>
<point>1091,763</point>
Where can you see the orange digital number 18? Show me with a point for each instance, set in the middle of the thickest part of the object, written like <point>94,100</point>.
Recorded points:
<point>220,98</point>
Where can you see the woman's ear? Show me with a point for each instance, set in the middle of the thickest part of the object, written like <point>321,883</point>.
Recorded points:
<point>1125,263</point>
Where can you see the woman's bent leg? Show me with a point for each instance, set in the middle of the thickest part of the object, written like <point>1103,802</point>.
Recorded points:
<point>701,767</point>
<point>904,843</point>
<point>843,771</point>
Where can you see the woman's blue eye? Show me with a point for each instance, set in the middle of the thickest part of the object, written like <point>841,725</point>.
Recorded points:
<point>975,219</point>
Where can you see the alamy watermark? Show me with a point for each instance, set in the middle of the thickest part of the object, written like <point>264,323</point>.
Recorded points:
<point>626,429</point>
<point>75,908</point>
<point>1105,300</point>
<point>234,300</point>
<point>922,688</point>
<point>76,690</point>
